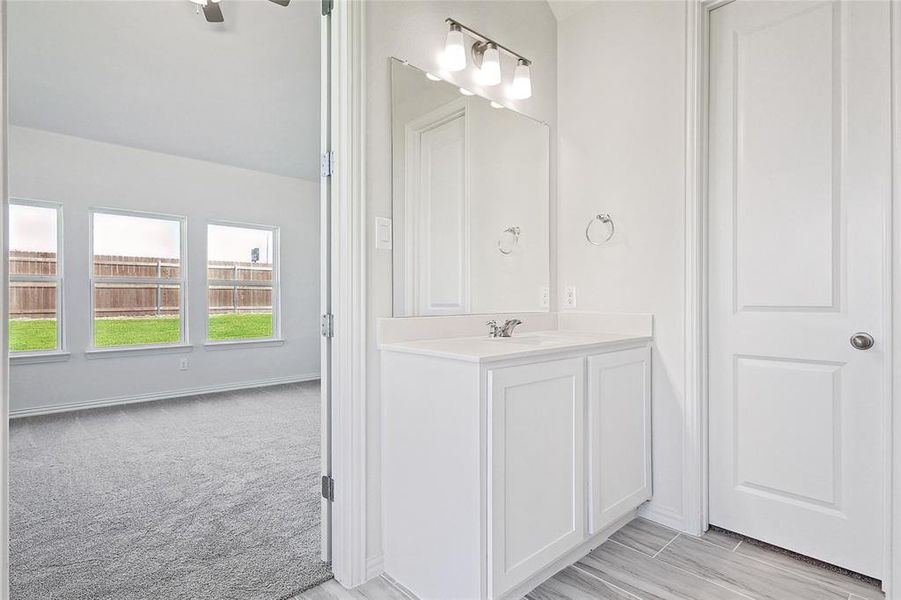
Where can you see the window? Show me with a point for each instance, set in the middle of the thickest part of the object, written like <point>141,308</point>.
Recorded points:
<point>137,279</point>
<point>35,277</point>
<point>242,282</point>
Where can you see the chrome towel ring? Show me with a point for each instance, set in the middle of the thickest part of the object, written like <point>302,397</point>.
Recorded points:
<point>508,240</point>
<point>605,219</point>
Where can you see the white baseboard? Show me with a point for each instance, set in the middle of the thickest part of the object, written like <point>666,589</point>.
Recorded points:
<point>194,391</point>
<point>375,566</point>
<point>663,515</point>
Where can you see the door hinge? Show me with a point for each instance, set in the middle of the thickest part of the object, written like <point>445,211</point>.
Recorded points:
<point>328,488</point>
<point>327,325</point>
<point>327,7</point>
<point>327,164</point>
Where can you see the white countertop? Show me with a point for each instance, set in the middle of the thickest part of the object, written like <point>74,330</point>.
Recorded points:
<point>484,349</point>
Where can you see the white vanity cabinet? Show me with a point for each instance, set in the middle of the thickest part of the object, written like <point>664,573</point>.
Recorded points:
<point>536,452</point>
<point>619,435</point>
<point>498,471</point>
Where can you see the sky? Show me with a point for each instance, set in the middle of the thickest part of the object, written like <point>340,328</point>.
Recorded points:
<point>34,228</point>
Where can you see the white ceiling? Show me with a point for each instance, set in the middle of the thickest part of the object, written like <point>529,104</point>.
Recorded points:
<point>152,74</point>
<point>565,8</point>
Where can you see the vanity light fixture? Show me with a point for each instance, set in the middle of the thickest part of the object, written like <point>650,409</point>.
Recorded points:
<point>522,80</point>
<point>466,92</point>
<point>486,55</point>
<point>489,60</point>
<point>454,50</point>
<point>496,104</point>
<point>432,77</point>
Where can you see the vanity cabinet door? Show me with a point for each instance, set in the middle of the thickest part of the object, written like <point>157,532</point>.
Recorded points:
<point>536,456</point>
<point>619,434</point>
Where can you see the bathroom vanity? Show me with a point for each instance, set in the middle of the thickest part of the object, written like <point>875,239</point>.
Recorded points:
<point>503,459</point>
<point>506,459</point>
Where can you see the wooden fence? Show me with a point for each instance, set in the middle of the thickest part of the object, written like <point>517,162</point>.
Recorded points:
<point>36,299</point>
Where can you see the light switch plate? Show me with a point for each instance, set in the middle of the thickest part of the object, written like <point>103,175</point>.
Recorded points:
<point>383,236</point>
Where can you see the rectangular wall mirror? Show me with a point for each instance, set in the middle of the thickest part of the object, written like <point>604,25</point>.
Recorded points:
<point>471,201</point>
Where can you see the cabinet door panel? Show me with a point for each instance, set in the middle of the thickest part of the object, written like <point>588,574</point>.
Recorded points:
<point>619,434</point>
<point>536,489</point>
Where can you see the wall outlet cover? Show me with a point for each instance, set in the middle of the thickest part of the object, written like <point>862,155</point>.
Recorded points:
<point>183,364</point>
<point>544,297</point>
<point>569,296</point>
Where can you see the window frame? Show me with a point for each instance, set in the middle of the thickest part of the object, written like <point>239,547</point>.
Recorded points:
<point>60,349</point>
<point>181,281</point>
<point>275,284</point>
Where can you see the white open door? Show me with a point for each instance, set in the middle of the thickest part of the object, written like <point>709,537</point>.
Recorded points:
<point>799,184</point>
<point>325,277</point>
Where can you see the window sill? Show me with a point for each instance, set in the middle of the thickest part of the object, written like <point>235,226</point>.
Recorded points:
<point>237,344</point>
<point>137,350</point>
<point>33,358</point>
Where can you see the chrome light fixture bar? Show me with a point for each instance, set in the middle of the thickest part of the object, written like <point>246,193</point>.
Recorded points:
<point>485,53</point>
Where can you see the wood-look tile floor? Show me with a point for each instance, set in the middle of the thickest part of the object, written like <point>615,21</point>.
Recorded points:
<point>644,561</point>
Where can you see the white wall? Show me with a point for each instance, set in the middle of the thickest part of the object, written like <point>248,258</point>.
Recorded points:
<point>81,174</point>
<point>621,141</point>
<point>415,31</point>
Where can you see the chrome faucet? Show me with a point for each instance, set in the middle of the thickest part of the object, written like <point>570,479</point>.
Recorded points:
<point>505,330</point>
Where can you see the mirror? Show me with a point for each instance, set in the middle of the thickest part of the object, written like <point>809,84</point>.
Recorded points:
<point>471,202</point>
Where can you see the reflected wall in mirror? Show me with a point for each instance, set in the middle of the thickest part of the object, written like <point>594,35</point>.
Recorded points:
<point>471,202</point>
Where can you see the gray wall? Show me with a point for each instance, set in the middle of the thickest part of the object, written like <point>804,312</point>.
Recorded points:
<point>81,174</point>
<point>622,150</point>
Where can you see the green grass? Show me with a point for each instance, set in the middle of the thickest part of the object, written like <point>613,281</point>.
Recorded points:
<point>40,334</point>
<point>31,335</point>
<point>240,327</point>
<point>134,331</point>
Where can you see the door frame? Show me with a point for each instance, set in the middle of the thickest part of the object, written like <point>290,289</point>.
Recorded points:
<point>348,288</point>
<point>695,432</point>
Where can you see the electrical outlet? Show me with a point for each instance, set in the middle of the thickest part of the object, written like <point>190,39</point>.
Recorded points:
<point>544,297</point>
<point>183,364</point>
<point>569,296</point>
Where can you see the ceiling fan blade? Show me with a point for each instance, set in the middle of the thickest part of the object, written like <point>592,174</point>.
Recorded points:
<point>281,2</point>
<point>212,12</point>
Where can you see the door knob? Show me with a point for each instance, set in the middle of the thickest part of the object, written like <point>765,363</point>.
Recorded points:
<point>862,340</point>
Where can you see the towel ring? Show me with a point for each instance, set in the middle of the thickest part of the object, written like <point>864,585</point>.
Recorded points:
<point>603,218</point>
<point>514,233</point>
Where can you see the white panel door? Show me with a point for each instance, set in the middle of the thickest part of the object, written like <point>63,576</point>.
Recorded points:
<point>439,215</point>
<point>619,434</point>
<point>536,491</point>
<point>799,183</point>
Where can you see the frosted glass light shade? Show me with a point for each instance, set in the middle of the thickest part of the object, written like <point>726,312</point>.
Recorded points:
<point>454,50</point>
<point>491,66</point>
<point>522,81</point>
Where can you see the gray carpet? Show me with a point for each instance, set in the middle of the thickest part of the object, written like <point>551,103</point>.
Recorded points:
<point>211,497</point>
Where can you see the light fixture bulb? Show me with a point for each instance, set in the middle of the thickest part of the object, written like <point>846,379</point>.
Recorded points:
<point>432,77</point>
<point>454,50</point>
<point>490,71</point>
<point>466,92</point>
<point>522,80</point>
